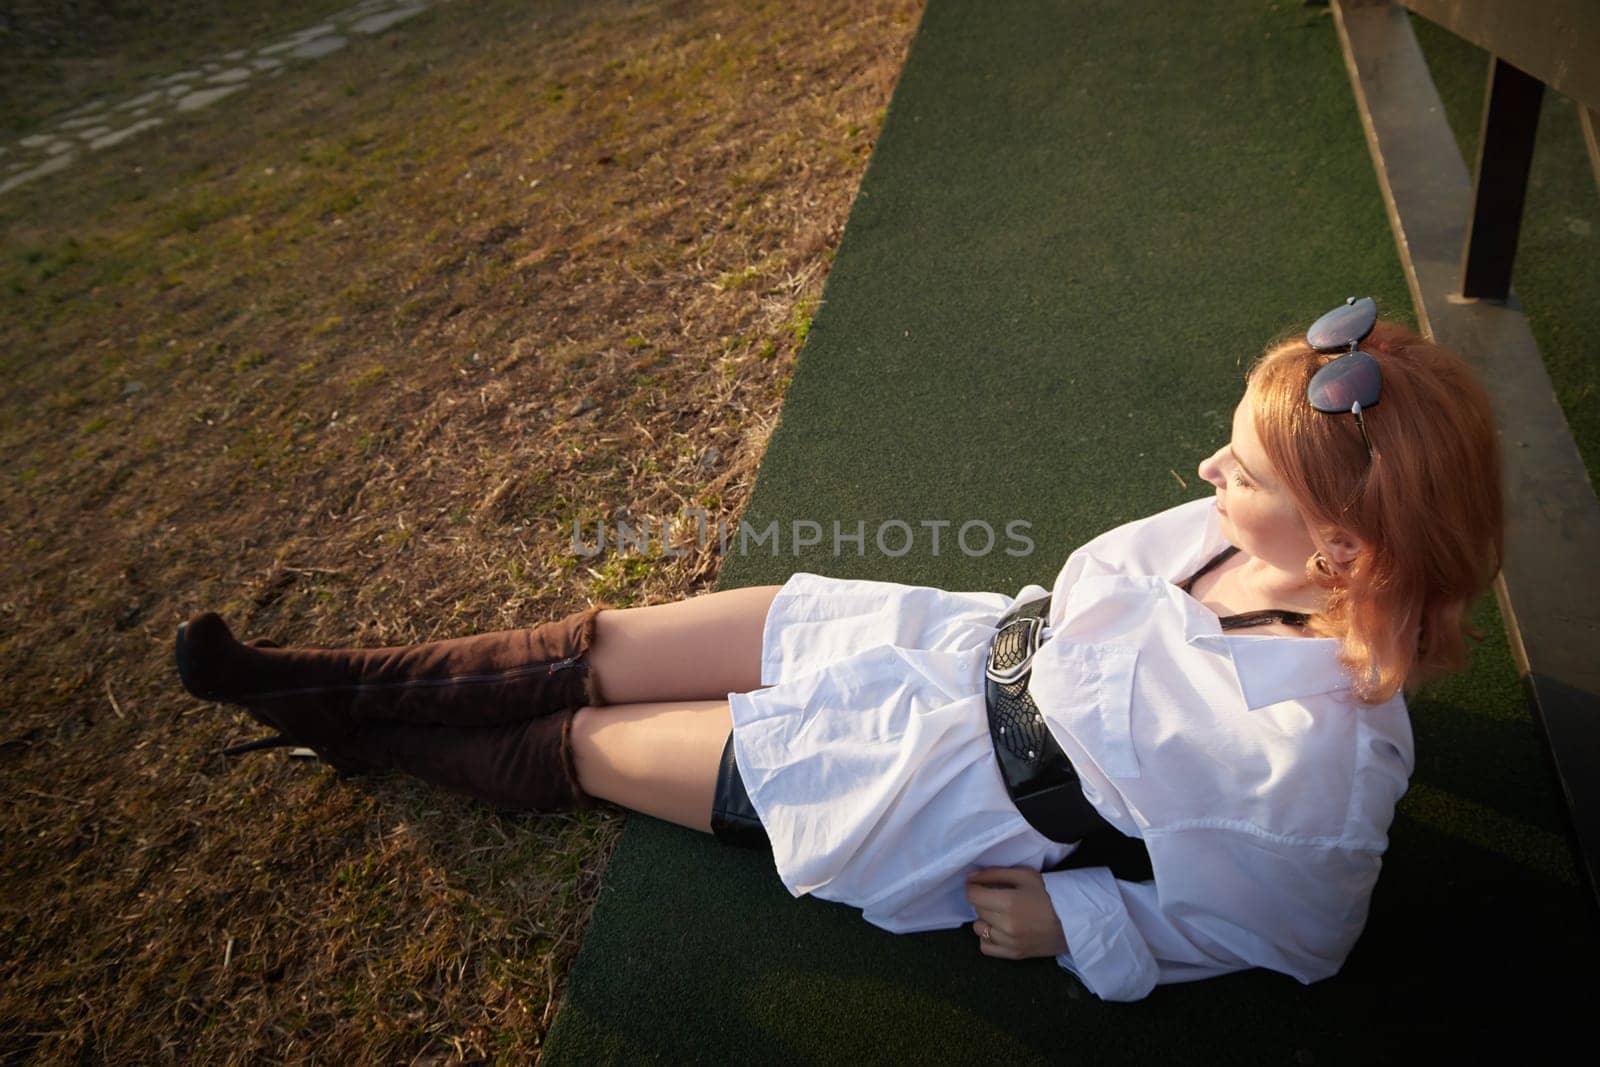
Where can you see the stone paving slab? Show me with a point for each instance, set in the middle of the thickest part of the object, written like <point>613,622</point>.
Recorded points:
<point>102,124</point>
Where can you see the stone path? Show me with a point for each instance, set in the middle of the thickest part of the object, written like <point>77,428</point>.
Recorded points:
<point>102,124</point>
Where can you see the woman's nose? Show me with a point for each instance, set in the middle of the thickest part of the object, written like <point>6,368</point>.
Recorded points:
<point>1211,468</point>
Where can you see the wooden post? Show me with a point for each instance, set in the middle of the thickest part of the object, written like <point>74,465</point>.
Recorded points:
<point>1505,153</point>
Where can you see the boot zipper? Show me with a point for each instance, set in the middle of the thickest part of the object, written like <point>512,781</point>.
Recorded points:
<point>408,683</point>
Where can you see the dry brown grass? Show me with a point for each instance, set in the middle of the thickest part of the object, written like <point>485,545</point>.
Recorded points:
<point>367,317</point>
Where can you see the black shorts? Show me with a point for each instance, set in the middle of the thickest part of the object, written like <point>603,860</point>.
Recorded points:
<point>733,819</point>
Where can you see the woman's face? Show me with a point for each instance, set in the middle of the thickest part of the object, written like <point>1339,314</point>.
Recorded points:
<point>1256,511</point>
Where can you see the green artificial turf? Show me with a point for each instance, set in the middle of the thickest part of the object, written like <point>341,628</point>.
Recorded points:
<point>1081,221</point>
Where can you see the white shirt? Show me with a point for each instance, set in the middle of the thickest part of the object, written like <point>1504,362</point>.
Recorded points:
<point>1262,788</point>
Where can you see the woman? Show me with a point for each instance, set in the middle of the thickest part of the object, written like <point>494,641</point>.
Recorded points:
<point>1218,685</point>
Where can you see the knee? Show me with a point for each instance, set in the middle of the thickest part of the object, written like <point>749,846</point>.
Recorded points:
<point>585,751</point>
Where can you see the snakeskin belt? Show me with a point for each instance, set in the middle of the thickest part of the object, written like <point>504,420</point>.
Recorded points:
<point>1038,776</point>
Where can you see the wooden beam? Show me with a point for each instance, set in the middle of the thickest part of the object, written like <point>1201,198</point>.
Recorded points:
<point>1556,41</point>
<point>1548,585</point>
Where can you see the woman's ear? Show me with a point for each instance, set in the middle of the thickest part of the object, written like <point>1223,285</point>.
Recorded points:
<point>1344,547</point>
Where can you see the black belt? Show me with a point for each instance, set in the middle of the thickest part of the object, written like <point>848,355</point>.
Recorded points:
<point>1040,779</point>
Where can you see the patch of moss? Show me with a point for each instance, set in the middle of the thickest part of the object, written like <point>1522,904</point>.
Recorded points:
<point>202,207</point>
<point>746,277</point>
<point>53,259</point>
<point>618,578</point>
<point>800,323</point>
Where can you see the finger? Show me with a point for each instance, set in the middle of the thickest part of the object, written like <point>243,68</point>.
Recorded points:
<point>988,931</point>
<point>1006,876</point>
<point>988,898</point>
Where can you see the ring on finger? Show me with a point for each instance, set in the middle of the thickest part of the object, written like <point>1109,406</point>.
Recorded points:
<point>986,932</point>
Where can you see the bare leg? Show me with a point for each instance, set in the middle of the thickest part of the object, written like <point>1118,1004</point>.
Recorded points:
<point>702,648</point>
<point>660,759</point>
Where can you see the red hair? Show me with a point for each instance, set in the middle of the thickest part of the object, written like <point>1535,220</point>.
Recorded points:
<point>1427,507</point>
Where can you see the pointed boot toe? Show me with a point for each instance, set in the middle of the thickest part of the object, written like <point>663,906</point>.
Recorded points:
<point>203,649</point>
<point>260,676</point>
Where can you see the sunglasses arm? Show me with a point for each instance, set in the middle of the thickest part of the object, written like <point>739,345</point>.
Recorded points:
<point>1355,409</point>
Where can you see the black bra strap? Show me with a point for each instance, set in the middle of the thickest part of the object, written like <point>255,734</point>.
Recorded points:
<point>1261,618</point>
<point>1216,561</point>
<point>1249,618</point>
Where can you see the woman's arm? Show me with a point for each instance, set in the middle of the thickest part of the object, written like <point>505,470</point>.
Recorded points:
<point>1230,899</point>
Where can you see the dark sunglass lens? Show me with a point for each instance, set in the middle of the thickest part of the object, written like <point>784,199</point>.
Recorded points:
<point>1347,380</point>
<point>1343,326</point>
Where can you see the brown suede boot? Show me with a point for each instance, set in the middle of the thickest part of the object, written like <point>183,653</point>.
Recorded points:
<point>319,697</point>
<point>516,766</point>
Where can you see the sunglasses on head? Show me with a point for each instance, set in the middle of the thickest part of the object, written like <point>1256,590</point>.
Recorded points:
<point>1352,382</point>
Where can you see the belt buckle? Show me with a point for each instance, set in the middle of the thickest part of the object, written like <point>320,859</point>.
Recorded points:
<point>1032,626</point>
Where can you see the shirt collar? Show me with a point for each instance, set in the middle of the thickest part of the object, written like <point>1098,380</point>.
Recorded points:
<point>1274,669</point>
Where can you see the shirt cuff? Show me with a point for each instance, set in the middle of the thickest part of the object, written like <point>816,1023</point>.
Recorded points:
<point>1104,948</point>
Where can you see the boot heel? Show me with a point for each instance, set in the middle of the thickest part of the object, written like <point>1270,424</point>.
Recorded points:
<point>275,741</point>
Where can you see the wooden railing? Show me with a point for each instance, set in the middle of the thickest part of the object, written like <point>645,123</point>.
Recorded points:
<point>1457,239</point>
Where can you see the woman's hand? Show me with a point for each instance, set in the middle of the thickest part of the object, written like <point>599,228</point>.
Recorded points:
<point>1016,920</point>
